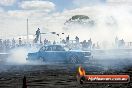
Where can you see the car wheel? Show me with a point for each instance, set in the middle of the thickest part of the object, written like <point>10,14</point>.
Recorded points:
<point>41,59</point>
<point>73,59</point>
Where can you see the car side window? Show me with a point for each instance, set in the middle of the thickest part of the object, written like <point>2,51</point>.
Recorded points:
<point>46,48</point>
<point>58,48</point>
<point>54,48</point>
<point>49,48</point>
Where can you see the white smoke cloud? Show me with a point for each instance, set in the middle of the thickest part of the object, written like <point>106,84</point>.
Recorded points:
<point>119,2</point>
<point>40,5</point>
<point>7,2</point>
<point>110,21</point>
<point>84,3</point>
<point>18,56</point>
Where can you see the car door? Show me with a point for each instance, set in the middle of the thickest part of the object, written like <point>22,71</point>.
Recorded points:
<point>58,53</point>
<point>46,53</point>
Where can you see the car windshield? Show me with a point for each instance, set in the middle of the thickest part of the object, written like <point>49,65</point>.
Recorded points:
<point>43,48</point>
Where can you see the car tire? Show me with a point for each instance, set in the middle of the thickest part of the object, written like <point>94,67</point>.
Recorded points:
<point>41,59</point>
<point>73,59</point>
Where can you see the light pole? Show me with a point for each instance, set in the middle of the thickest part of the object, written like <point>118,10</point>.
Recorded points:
<point>27,33</point>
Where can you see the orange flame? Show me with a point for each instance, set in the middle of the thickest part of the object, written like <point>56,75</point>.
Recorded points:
<point>81,71</point>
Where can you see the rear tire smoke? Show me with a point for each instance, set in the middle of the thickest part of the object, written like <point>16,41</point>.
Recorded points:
<point>74,59</point>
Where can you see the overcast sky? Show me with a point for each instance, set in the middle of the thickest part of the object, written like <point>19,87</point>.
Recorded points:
<point>48,15</point>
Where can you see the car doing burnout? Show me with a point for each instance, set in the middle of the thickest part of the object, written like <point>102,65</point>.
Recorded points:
<point>54,53</point>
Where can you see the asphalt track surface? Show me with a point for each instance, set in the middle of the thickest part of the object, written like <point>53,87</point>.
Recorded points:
<point>60,75</point>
